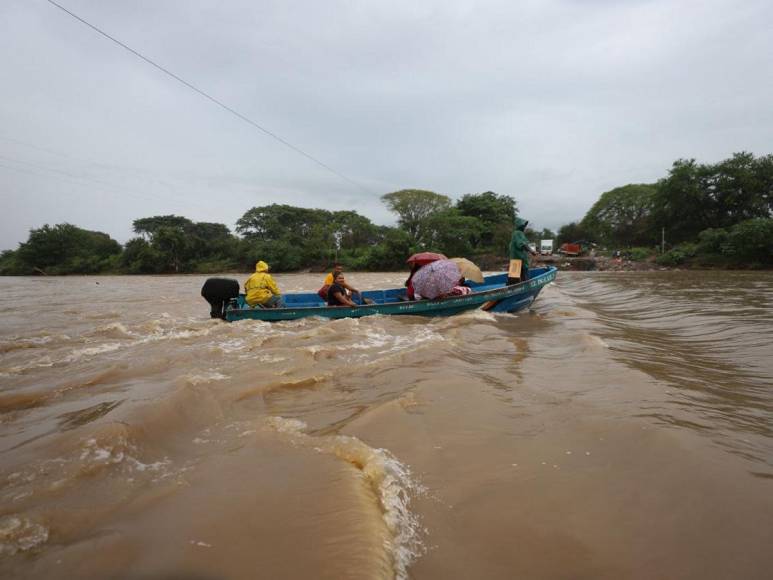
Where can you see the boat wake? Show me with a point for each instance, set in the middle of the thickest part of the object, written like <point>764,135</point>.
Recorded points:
<point>389,480</point>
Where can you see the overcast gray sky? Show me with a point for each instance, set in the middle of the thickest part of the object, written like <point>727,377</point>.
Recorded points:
<point>550,101</point>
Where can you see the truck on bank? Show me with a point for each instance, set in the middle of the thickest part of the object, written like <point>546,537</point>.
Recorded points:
<point>568,249</point>
<point>546,247</point>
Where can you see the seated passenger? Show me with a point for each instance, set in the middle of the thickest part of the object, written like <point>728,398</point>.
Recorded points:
<point>337,269</point>
<point>261,290</point>
<point>411,294</point>
<point>336,295</point>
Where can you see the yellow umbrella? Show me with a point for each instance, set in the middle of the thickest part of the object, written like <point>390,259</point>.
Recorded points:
<point>469,270</point>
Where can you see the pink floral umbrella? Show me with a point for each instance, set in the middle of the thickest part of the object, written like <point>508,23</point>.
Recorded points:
<point>436,278</point>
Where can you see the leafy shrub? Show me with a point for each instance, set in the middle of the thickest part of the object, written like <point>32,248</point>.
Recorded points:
<point>677,255</point>
<point>639,254</point>
<point>12,265</point>
<point>753,239</point>
<point>671,258</point>
<point>714,241</point>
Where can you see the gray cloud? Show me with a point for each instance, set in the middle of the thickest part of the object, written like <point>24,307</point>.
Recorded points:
<point>552,102</point>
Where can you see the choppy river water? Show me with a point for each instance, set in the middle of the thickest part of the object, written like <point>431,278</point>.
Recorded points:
<point>623,428</point>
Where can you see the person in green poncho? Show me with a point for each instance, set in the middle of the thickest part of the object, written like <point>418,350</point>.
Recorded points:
<point>519,253</point>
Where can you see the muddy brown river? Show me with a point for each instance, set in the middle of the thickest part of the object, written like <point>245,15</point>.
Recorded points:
<point>622,428</point>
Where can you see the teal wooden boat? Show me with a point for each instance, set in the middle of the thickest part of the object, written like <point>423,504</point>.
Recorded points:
<point>492,295</point>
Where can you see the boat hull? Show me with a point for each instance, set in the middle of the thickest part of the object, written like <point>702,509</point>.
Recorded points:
<point>492,295</point>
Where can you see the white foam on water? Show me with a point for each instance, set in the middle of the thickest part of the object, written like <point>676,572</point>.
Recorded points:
<point>270,358</point>
<point>155,466</point>
<point>283,425</point>
<point>115,330</point>
<point>157,333</point>
<point>233,345</point>
<point>203,378</point>
<point>18,534</point>
<point>373,339</point>
<point>95,455</point>
<point>42,362</point>
<point>92,452</point>
<point>376,339</point>
<point>91,351</point>
<point>387,476</point>
<point>394,484</point>
<point>14,343</point>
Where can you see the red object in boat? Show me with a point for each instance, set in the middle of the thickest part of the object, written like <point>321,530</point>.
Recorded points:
<point>424,258</point>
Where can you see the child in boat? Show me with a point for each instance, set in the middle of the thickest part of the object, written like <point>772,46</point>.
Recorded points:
<point>261,290</point>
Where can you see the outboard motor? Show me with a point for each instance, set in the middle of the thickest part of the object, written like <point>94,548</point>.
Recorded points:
<point>219,292</point>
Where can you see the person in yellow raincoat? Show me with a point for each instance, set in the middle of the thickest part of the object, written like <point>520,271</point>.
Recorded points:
<point>261,289</point>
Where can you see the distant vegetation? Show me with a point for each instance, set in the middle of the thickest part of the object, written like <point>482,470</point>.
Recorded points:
<point>714,215</point>
<point>288,238</point>
<point>710,214</point>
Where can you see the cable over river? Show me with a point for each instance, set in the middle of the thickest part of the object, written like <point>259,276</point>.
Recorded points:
<point>623,428</point>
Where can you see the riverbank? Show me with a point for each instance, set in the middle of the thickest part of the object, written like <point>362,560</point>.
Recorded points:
<point>604,264</point>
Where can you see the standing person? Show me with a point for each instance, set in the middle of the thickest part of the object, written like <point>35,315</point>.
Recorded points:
<point>519,253</point>
<point>261,289</point>
<point>336,294</point>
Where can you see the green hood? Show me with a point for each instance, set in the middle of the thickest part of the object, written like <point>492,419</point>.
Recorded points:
<point>520,223</point>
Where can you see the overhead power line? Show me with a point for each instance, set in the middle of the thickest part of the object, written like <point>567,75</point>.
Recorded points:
<point>111,187</point>
<point>207,96</point>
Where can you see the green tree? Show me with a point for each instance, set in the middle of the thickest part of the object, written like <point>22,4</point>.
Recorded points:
<point>139,257</point>
<point>277,221</point>
<point>753,240</point>
<point>622,216</point>
<point>496,213</point>
<point>695,197</point>
<point>12,265</point>
<point>65,248</point>
<point>414,208</point>
<point>453,233</point>
<point>390,252</point>
<point>181,245</point>
<point>572,232</point>
<point>352,230</point>
<point>280,255</point>
<point>547,234</point>
<point>173,246</point>
<point>211,241</point>
<point>147,227</point>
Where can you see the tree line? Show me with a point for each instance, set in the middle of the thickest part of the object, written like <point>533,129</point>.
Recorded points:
<point>288,238</point>
<point>721,211</point>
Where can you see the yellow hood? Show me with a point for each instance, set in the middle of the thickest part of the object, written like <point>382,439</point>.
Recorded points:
<point>261,266</point>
